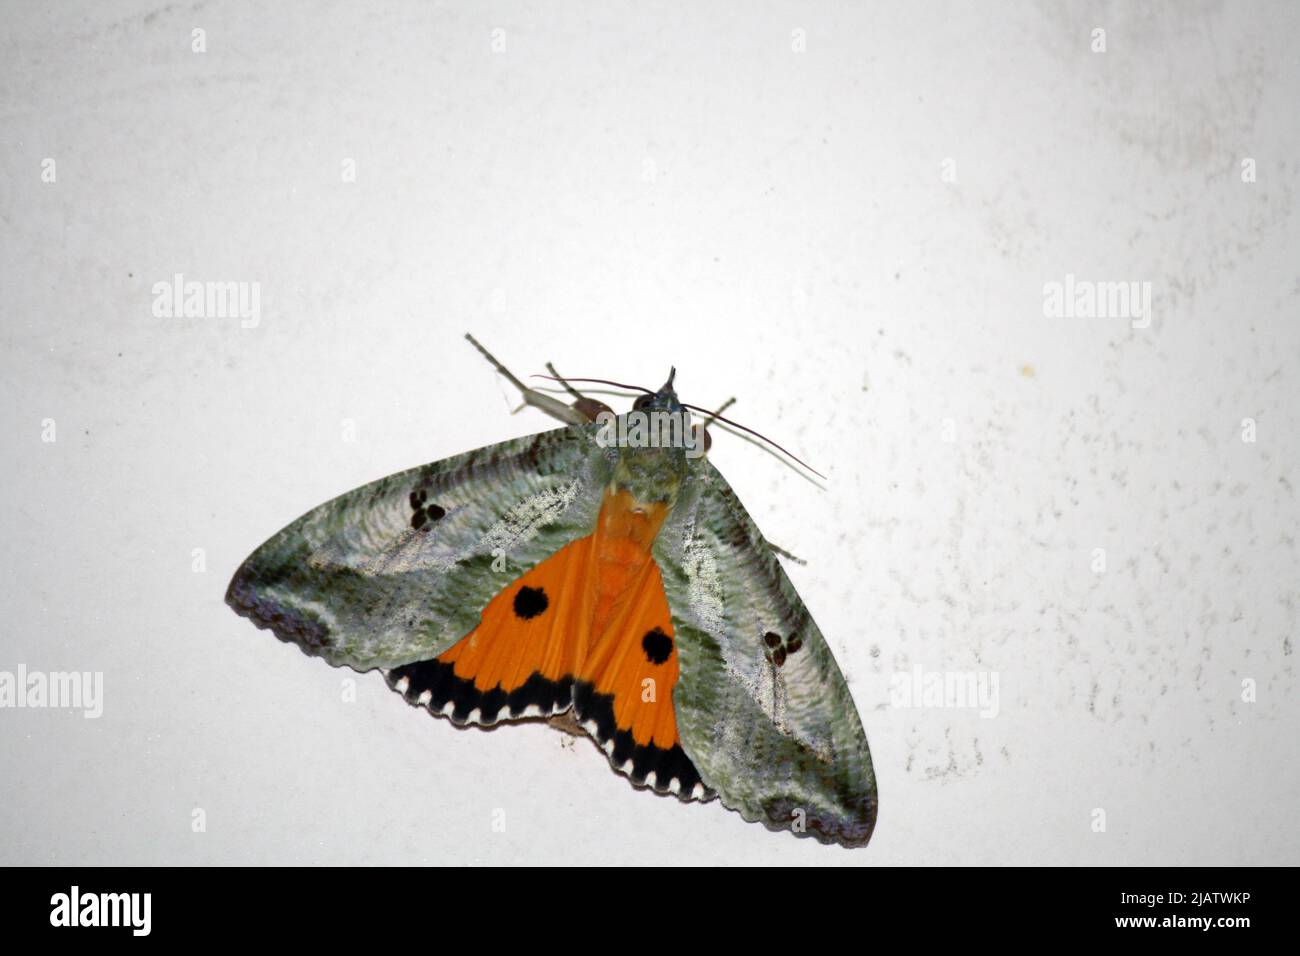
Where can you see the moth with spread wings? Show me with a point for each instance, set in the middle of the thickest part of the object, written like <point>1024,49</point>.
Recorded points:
<point>622,589</point>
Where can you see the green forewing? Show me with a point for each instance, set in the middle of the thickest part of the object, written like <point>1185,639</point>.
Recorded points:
<point>776,734</point>
<point>358,583</point>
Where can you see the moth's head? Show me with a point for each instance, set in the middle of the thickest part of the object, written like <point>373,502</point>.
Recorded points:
<point>657,445</point>
<point>664,400</point>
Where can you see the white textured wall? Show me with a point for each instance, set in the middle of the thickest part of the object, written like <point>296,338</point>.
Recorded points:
<point>624,187</point>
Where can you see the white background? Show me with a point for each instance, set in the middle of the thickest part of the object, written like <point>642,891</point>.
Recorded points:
<point>627,186</point>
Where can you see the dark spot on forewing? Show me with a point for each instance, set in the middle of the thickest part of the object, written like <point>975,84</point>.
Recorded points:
<point>425,513</point>
<point>779,648</point>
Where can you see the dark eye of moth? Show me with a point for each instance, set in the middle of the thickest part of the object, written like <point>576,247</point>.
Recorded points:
<point>530,602</point>
<point>657,645</point>
<point>425,514</point>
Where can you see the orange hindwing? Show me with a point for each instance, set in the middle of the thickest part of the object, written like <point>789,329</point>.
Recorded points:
<point>590,628</point>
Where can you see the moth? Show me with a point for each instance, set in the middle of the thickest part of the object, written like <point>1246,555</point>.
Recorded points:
<point>616,588</point>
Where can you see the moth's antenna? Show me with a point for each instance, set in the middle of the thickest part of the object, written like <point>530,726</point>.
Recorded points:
<point>713,416</point>
<point>602,381</point>
<point>751,431</point>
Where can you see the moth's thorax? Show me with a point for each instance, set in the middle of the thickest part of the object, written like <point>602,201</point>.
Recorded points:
<point>651,475</point>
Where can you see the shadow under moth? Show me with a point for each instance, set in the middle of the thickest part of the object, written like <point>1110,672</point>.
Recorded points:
<point>595,577</point>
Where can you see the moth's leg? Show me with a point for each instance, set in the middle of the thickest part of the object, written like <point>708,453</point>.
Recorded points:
<point>708,441</point>
<point>551,406</point>
<point>565,721</point>
<point>565,385</point>
<point>588,407</point>
<point>785,554</point>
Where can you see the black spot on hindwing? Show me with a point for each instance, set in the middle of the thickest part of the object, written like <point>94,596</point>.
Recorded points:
<point>530,602</point>
<point>657,645</point>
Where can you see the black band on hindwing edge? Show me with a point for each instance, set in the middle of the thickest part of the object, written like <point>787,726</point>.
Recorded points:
<point>665,770</point>
<point>439,679</point>
<point>595,712</point>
